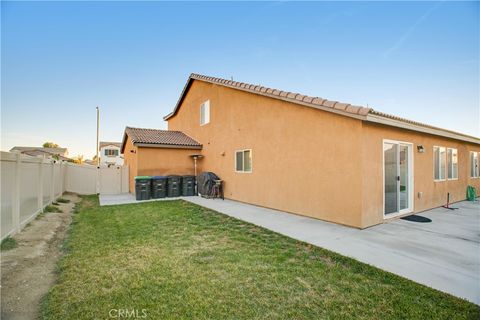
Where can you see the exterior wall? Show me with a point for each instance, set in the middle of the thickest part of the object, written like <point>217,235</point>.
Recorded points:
<point>131,160</point>
<point>157,162</point>
<point>104,159</point>
<point>304,161</point>
<point>163,161</point>
<point>434,192</point>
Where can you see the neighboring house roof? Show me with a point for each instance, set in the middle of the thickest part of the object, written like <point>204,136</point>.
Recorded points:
<point>61,151</point>
<point>35,153</point>
<point>346,109</point>
<point>90,162</point>
<point>159,138</point>
<point>107,143</point>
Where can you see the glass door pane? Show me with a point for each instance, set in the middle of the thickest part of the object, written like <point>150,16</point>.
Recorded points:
<point>404,174</point>
<point>390,152</point>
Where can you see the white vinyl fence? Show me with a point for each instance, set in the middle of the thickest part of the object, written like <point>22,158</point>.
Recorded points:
<point>84,179</point>
<point>29,184</point>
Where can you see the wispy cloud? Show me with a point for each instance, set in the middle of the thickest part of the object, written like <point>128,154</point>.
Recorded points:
<point>410,31</point>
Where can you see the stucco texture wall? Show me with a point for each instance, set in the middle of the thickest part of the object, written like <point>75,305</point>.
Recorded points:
<point>307,161</point>
<point>304,161</point>
<point>165,161</point>
<point>434,193</point>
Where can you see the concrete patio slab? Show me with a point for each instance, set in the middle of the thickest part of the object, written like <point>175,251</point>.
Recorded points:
<point>443,254</point>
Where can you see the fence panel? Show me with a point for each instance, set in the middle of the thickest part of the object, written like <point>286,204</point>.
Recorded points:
<point>57,178</point>
<point>111,180</point>
<point>81,179</point>
<point>29,189</point>
<point>28,184</point>
<point>47,182</point>
<point>8,176</point>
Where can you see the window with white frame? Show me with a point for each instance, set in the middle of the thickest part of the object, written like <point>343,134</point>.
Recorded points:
<point>205,113</point>
<point>111,152</point>
<point>452,163</point>
<point>439,160</point>
<point>474,169</point>
<point>243,161</point>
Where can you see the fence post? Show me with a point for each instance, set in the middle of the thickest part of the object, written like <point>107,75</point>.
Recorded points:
<point>97,180</point>
<point>40,187</point>
<point>16,195</point>
<point>52,189</point>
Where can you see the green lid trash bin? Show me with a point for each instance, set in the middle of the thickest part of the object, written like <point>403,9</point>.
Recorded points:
<point>174,185</point>
<point>159,187</point>
<point>142,187</point>
<point>471,193</point>
<point>188,186</point>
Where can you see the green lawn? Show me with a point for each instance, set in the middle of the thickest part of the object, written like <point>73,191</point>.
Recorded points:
<point>177,260</point>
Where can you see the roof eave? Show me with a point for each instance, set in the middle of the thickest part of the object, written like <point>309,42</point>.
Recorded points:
<point>180,99</point>
<point>366,114</point>
<point>166,146</point>
<point>419,128</point>
<point>124,141</point>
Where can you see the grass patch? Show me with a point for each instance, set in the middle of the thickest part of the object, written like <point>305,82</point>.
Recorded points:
<point>40,215</point>
<point>63,200</point>
<point>8,243</point>
<point>51,208</point>
<point>177,260</point>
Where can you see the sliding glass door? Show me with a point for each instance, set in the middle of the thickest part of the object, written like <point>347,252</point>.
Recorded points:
<point>398,191</point>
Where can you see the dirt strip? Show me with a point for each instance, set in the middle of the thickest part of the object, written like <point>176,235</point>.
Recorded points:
<point>28,271</point>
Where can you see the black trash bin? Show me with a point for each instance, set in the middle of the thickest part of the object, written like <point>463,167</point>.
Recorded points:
<point>142,187</point>
<point>188,185</point>
<point>159,187</point>
<point>174,186</point>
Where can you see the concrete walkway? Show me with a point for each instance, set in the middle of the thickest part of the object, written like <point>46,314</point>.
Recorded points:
<point>443,254</point>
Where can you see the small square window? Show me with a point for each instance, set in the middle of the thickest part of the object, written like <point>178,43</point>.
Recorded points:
<point>243,161</point>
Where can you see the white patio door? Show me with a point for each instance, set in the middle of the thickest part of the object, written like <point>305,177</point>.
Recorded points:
<point>398,178</point>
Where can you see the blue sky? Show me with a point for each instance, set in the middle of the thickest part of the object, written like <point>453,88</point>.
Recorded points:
<point>62,59</point>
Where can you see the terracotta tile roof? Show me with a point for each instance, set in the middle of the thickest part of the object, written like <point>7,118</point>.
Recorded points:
<point>160,137</point>
<point>346,109</point>
<point>315,102</point>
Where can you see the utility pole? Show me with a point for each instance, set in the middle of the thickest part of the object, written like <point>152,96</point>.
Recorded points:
<point>98,129</point>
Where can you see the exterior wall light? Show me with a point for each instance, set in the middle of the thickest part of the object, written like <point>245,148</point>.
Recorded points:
<point>420,148</point>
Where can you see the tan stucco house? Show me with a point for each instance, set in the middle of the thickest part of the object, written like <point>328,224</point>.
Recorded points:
<point>150,152</point>
<point>307,155</point>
